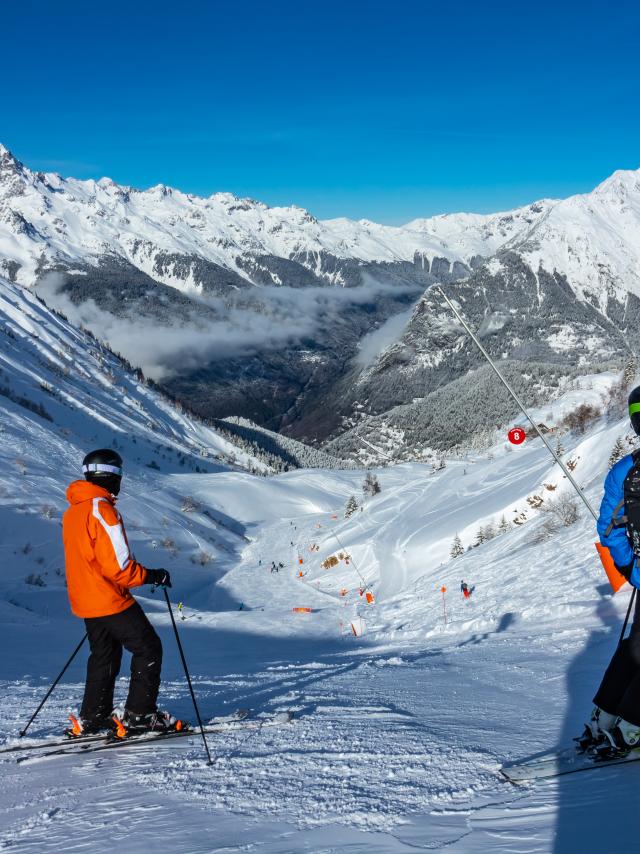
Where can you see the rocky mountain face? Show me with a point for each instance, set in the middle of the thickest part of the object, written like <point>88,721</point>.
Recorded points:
<point>311,327</point>
<point>562,296</point>
<point>432,388</point>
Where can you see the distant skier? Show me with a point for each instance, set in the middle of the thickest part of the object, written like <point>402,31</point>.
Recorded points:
<point>280,565</point>
<point>466,590</point>
<point>274,568</point>
<point>100,572</point>
<point>614,726</point>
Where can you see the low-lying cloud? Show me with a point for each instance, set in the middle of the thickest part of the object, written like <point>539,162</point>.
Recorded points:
<point>375,342</point>
<point>261,319</point>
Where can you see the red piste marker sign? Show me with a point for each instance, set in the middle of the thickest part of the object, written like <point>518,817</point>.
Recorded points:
<point>516,435</point>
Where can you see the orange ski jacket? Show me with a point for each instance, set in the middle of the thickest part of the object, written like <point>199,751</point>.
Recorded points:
<point>99,566</point>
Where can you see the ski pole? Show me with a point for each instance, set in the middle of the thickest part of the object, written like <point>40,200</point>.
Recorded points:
<point>186,672</point>
<point>626,619</point>
<point>50,691</point>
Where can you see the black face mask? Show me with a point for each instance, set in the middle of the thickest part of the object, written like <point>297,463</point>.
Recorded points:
<point>110,482</point>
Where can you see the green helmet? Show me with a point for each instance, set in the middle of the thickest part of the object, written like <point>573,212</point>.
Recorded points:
<point>634,409</point>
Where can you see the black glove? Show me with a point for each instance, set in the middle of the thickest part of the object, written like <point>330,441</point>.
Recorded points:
<point>626,570</point>
<point>159,577</point>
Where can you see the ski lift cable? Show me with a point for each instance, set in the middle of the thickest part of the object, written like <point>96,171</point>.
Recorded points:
<point>355,565</point>
<point>513,394</point>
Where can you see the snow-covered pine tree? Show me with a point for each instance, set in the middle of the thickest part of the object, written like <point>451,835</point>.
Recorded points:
<point>351,507</point>
<point>630,372</point>
<point>617,452</point>
<point>480,537</point>
<point>559,449</point>
<point>457,548</point>
<point>489,531</point>
<point>503,525</point>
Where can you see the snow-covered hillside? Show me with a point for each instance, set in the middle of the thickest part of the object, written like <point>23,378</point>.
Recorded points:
<point>58,381</point>
<point>46,219</point>
<point>399,733</point>
<point>592,239</point>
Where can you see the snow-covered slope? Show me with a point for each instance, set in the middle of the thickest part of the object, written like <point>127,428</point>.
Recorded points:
<point>399,733</point>
<point>57,380</point>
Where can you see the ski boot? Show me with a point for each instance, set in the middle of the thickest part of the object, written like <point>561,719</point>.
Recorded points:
<point>619,742</point>
<point>89,726</point>
<point>156,722</point>
<point>595,730</point>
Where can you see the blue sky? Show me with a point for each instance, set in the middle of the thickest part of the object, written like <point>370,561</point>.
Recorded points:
<point>384,110</point>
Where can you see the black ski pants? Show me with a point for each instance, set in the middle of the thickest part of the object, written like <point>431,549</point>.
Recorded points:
<point>619,692</point>
<point>108,636</point>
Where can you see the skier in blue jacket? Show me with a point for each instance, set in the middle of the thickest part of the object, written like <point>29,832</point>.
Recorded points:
<point>614,727</point>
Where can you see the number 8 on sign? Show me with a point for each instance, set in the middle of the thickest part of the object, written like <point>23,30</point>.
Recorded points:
<point>517,435</point>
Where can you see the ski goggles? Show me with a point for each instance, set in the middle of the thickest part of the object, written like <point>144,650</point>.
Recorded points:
<point>103,467</point>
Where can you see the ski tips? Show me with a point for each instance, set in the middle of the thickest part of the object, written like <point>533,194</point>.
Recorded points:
<point>120,730</point>
<point>76,726</point>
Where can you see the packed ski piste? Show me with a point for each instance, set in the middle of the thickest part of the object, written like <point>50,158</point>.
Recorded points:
<point>216,660</point>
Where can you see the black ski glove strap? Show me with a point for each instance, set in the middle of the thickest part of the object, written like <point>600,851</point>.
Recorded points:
<point>159,577</point>
<point>626,570</point>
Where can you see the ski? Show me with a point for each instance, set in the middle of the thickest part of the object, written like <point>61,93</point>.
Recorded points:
<point>559,763</point>
<point>152,738</point>
<point>41,744</point>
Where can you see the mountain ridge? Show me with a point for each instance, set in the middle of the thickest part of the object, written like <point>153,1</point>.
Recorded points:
<point>260,312</point>
<point>242,224</point>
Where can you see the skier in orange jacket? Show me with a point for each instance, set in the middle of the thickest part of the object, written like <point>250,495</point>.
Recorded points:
<point>100,573</point>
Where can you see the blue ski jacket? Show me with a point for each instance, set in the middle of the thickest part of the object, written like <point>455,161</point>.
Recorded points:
<point>615,538</point>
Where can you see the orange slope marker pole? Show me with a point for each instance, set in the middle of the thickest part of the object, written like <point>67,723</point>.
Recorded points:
<point>443,590</point>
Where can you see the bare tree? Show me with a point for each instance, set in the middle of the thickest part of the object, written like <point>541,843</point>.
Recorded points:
<point>564,508</point>
<point>580,417</point>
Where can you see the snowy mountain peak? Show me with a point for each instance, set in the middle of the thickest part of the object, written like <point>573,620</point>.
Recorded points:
<point>621,183</point>
<point>6,155</point>
<point>8,163</point>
